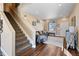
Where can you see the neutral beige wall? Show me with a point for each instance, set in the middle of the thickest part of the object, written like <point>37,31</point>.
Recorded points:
<point>76,13</point>
<point>63,24</point>
<point>1,7</point>
<point>46,22</point>
<point>30,18</point>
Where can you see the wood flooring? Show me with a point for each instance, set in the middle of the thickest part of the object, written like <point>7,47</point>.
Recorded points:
<point>43,50</point>
<point>74,52</point>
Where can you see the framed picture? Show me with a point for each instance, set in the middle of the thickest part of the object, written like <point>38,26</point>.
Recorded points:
<point>38,21</point>
<point>34,23</point>
<point>73,21</point>
<point>52,26</point>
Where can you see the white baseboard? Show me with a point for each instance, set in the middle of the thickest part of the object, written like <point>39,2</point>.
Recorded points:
<point>3,52</point>
<point>67,53</point>
<point>77,49</point>
<point>33,46</point>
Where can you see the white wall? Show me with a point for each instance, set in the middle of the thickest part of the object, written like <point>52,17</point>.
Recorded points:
<point>7,37</point>
<point>39,26</point>
<point>30,18</point>
<point>1,7</point>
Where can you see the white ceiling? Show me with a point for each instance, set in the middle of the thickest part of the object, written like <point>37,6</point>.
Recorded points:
<point>48,10</point>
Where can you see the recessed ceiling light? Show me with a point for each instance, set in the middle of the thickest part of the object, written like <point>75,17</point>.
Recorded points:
<point>59,5</point>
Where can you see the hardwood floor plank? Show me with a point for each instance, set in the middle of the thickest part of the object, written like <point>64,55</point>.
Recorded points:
<point>37,52</point>
<point>30,51</point>
<point>47,50</point>
<point>74,52</point>
<point>43,50</point>
<point>50,50</point>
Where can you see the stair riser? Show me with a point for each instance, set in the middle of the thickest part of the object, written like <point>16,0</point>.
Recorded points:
<point>20,35</point>
<point>18,31</point>
<point>21,39</point>
<point>22,50</point>
<point>19,45</point>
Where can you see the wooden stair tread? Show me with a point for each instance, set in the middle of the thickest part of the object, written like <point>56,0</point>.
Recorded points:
<point>20,35</point>
<point>19,43</point>
<point>21,38</point>
<point>23,48</point>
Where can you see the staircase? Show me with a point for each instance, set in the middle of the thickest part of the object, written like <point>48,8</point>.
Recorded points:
<point>22,43</point>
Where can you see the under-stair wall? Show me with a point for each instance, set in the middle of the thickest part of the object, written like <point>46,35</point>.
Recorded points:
<point>7,37</point>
